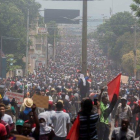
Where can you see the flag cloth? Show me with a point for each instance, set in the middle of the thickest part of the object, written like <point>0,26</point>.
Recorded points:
<point>114,87</point>
<point>74,131</point>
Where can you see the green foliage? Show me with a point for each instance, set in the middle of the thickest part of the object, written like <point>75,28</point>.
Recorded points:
<point>128,62</point>
<point>136,7</point>
<point>116,39</point>
<point>11,63</point>
<point>13,23</point>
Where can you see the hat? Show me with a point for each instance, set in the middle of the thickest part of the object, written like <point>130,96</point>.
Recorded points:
<point>6,100</point>
<point>52,89</point>
<point>123,98</point>
<point>60,101</point>
<point>20,122</point>
<point>28,102</point>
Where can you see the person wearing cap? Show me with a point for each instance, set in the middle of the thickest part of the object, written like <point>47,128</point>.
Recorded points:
<point>6,118</point>
<point>123,112</point>
<point>28,102</point>
<point>19,126</point>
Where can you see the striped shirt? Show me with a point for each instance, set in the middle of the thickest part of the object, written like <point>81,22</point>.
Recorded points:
<point>88,128</point>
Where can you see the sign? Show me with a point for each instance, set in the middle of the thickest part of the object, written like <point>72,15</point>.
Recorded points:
<point>62,16</point>
<point>41,101</point>
<point>124,79</point>
<point>18,96</point>
<point>42,30</point>
<point>19,72</point>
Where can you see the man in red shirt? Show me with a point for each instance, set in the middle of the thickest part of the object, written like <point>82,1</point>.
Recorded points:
<point>3,132</point>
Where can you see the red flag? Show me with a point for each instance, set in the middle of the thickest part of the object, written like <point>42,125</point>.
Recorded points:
<point>114,87</point>
<point>74,131</point>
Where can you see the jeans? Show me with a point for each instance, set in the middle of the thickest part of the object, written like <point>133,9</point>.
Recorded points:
<point>103,131</point>
<point>59,138</point>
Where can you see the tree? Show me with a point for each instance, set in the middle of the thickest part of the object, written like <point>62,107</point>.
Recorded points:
<point>11,63</point>
<point>13,23</point>
<point>136,7</point>
<point>128,62</point>
<point>110,35</point>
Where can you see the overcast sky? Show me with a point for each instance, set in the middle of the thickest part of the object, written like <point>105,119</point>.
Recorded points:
<point>95,8</point>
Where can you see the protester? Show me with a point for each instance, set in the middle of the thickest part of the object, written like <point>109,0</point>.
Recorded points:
<point>61,121</point>
<point>6,126</point>
<point>88,121</point>
<point>6,118</point>
<point>104,128</point>
<point>123,112</point>
<point>46,132</point>
<point>28,129</point>
<point>19,126</point>
<point>3,132</point>
<point>123,132</point>
<point>28,102</point>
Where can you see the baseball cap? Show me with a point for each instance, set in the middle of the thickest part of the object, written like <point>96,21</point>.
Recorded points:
<point>20,122</point>
<point>123,98</point>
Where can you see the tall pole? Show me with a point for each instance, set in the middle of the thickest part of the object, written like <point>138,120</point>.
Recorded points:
<point>54,47</point>
<point>135,54</point>
<point>27,45</point>
<point>84,38</point>
<point>46,58</point>
<point>47,54</point>
<point>1,59</point>
<point>1,46</point>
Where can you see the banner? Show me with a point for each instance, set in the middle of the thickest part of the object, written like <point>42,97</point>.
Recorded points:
<point>18,96</point>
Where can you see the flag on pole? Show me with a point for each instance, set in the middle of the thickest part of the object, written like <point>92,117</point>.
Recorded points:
<point>114,87</point>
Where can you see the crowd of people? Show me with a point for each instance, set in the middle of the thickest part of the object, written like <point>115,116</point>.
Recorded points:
<point>74,99</point>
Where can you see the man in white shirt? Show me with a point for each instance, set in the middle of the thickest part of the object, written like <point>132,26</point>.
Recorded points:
<point>123,132</point>
<point>61,121</point>
<point>6,118</point>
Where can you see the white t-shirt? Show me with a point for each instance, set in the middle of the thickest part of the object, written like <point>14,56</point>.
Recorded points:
<point>60,119</point>
<point>7,119</point>
<point>49,114</point>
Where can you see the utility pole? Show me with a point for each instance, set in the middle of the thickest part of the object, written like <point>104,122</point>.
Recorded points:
<point>135,54</point>
<point>27,45</point>
<point>84,39</point>
<point>54,47</point>
<point>1,47</point>
<point>46,54</point>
